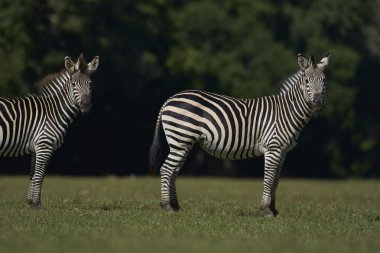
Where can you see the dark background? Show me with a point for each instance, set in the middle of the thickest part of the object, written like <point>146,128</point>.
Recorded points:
<point>150,50</point>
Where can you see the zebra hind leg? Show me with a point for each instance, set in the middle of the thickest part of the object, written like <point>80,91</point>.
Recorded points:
<point>169,203</point>
<point>273,165</point>
<point>169,172</point>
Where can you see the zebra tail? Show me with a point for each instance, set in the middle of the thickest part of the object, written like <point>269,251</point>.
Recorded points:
<point>155,149</point>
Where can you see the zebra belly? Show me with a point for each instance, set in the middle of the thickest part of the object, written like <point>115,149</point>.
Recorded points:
<point>231,152</point>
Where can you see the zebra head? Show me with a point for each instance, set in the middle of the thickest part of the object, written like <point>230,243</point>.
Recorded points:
<point>80,82</point>
<point>313,80</point>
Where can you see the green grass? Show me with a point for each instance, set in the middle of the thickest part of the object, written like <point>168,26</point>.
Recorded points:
<point>110,214</point>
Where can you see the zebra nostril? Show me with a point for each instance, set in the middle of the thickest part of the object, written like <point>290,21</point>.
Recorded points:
<point>318,96</point>
<point>86,100</point>
<point>318,101</point>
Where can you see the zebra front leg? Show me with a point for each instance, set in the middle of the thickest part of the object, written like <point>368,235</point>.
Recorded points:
<point>169,172</point>
<point>29,198</point>
<point>42,159</point>
<point>273,165</point>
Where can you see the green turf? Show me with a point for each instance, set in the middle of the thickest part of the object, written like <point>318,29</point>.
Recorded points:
<point>110,214</point>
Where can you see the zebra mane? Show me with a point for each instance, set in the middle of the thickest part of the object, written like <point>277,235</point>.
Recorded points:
<point>50,79</point>
<point>82,63</point>
<point>288,82</point>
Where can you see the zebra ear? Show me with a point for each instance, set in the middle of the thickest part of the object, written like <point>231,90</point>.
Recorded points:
<point>302,62</point>
<point>324,62</point>
<point>93,65</point>
<point>311,61</point>
<point>69,65</point>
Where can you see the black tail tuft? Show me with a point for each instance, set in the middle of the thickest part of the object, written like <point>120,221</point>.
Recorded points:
<point>155,152</point>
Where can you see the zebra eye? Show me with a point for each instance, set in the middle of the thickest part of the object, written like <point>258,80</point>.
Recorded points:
<point>307,80</point>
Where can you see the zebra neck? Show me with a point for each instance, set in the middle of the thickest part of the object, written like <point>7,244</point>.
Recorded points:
<point>289,82</point>
<point>57,90</point>
<point>300,109</point>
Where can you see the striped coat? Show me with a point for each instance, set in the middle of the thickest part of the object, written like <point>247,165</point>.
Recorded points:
<point>233,129</point>
<point>37,124</point>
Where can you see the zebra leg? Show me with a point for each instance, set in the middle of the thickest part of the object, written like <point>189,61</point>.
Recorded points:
<point>273,165</point>
<point>43,156</point>
<point>169,172</point>
<point>29,198</point>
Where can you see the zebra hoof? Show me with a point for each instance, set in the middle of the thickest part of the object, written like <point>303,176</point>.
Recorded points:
<point>37,206</point>
<point>269,216</point>
<point>268,213</point>
<point>175,205</point>
<point>169,207</point>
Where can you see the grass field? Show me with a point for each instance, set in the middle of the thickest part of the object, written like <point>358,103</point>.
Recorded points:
<point>110,214</point>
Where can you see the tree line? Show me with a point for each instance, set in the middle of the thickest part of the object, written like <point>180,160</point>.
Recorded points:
<point>151,49</point>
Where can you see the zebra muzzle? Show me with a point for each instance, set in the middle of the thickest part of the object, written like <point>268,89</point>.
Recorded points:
<point>85,105</point>
<point>318,104</point>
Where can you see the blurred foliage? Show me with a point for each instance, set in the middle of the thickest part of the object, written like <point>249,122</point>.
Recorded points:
<point>151,49</point>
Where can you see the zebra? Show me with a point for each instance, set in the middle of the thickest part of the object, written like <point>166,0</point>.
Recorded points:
<point>37,124</point>
<point>233,129</point>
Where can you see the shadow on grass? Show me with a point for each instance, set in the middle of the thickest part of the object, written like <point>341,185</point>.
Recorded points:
<point>229,208</point>
<point>111,206</point>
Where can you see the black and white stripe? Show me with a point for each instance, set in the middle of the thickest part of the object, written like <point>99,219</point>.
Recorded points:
<point>37,124</point>
<point>233,129</point>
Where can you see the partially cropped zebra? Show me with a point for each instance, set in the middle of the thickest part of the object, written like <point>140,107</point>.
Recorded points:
<point>231,128</point>
<point>37,124</point>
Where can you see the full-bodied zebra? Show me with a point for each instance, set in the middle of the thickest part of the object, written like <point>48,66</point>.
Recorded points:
<point>37,124</point>
<point>233,129</point>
